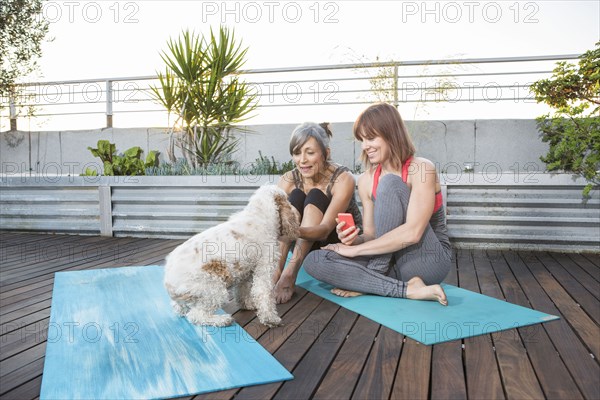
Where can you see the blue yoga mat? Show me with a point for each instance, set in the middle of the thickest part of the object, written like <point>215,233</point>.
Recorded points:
<point>113,335</point>
<point>467,314</point>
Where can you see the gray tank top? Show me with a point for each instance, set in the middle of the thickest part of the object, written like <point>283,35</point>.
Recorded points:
<point>352,207</point>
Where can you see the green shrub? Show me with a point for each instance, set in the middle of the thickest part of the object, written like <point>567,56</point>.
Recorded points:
<point>261,166</point>
<point>128,163</point>
<point>265,166</point>
<point>202,86</point>
<point>573,131</point>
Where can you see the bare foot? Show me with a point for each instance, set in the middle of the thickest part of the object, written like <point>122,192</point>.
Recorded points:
<point>345,293</point>
<point>284,288</point>
<point>417,290</point>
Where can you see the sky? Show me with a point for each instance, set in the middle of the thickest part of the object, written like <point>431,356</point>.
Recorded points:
<point>101,39</point>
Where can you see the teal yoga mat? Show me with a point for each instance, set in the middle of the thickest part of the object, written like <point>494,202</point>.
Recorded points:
<point>467,314</point>
<point>113,335</point>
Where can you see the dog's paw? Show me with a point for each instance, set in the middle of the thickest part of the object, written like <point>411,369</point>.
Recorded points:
<point>271,321</point>
<point>180,309</point>
<point>247,305</point>
<point>201,318</point>
<point>220,320</point>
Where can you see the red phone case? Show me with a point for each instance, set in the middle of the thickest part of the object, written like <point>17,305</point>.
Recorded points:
<point>347,218</point>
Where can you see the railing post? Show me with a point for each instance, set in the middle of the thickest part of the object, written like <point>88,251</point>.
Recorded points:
<point>396,103</point>
<point>13,113</point>
<point>105,203</point>
<point>109,108</point>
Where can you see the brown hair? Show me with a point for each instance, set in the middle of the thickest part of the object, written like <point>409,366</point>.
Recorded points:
<point>384,120</point>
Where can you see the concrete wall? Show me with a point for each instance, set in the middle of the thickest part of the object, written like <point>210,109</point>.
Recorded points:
<point>486,145</point>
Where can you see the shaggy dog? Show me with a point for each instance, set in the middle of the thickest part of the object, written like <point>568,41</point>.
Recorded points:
<point>241,253</point>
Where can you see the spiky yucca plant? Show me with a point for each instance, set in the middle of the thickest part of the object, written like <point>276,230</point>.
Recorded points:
<point>201,85</point>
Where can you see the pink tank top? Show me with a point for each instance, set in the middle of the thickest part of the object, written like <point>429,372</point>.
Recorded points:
<point>438,196</point>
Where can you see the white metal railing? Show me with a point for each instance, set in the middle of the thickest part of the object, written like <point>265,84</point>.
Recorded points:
<point>474,80</point>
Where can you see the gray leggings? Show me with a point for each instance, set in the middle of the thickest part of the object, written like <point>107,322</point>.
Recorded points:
<point>387,274</point>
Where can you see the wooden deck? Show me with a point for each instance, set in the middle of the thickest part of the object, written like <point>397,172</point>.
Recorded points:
<point>334,353</point>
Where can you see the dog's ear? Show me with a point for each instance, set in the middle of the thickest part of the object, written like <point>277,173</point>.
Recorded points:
<point>289,217</point>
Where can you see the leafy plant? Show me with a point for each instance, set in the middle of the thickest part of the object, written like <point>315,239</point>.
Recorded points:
<point>22,30</point>
<point>573,130</point>
<point>201,85</point>
<point>261,166</point>
<point>265,166</point>
<point>181,167</point>
<point>128,163</point>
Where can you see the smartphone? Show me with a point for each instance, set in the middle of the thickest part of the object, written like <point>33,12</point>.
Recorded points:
<point>347,218</point>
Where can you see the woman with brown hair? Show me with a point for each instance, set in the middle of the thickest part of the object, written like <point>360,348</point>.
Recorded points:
<point>404,250</point>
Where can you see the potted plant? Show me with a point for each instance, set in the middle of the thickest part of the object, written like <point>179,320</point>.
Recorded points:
<point>201,85</point>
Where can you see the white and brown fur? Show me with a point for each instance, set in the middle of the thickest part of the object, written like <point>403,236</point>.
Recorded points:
<point>241,253</point>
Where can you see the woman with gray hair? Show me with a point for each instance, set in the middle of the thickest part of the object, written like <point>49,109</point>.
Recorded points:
<point>319,189</point>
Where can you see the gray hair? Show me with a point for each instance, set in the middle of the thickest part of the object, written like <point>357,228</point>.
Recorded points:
<point>302,133</point>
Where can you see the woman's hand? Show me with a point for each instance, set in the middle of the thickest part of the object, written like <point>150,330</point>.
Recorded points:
<point>346,236</point>
<point>342,249</point>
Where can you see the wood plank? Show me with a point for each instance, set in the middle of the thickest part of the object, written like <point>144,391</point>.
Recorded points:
<point>11,317</point>
<point>587,265</point>
<point>24,338</point>
<point>5,295</point>
<point>109,252</point>
<point>378,375</point>
<point>575,289</point>
<point>31,250</point>
<point>21,376</point>
<point>39,247</point>
<point>553,375</point>
<point>582,366</point>
<point>28,390</point>
<point>310,370</point>
<point>585,279</point>
<point>84,250</point>
<point>244,318</point>
<point>594,258</point>
<point>483,377</point>
<point>9,327</point>
<point>519,377</point>
<point>587,329</point>
<point>40,290</point>
<point>292,351</point>
<point>272,339</point>
<point>17,361</point>
<point>344,372</point>
<point>412,376</point>
<point>447,369</point>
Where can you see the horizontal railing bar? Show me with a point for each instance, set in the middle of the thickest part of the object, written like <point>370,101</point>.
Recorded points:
<point>74,113</point>
<point>405,101</point>
<point>400,76</point>
<point>416,63</point>
<point>300,93</point>
<point>304,105</point>
<point>38,104</point>
<point>425,100</point>
<point>148,89</point>
<point>339,66</point>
